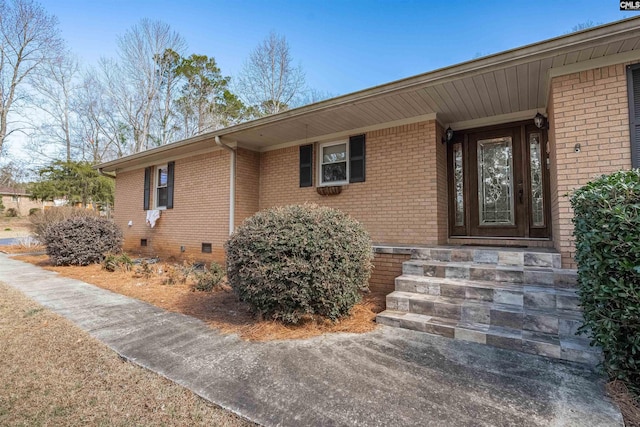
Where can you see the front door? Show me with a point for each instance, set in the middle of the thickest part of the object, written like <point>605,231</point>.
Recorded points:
<point>498,183</point>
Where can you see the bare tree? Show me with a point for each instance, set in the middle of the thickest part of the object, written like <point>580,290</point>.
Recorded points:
<point>98,127</point>
<point>269,81</point>
<point>56,90</point>
<point>135,81</point>
<point>29,39</point>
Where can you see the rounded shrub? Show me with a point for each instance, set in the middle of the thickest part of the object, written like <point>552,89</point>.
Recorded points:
<point>300,260</point>
<point>43,219</point>
<point>606,225</point>
<point>82,240</point>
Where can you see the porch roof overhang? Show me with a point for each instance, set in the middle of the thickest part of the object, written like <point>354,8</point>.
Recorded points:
<point>507,86</point>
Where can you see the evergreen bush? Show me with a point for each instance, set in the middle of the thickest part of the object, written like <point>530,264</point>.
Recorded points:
<point>300,260</point>
<point>606,227</point>
<point>82,240</point>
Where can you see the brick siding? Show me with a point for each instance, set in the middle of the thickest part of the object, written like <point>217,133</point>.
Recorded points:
<point>386,268</point>
<point>200,213</point>
<point>401,200</point>
<point>589,108</point>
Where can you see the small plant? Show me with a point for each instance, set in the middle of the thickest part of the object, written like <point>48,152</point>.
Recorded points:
<point>82,240</point>
<point>7,229</point>
<point>11,213</point>
<point>34,211</point>
<point>209,279</point>
<point>28,242</point>
<point>117,262</point>
<point>298,261</point>
<point>143,270</point>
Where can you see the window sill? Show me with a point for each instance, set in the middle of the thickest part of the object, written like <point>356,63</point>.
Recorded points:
<point>329,190</point>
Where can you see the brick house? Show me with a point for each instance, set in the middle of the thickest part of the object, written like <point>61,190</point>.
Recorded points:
<point>449,158</point>
<point>13,198</point>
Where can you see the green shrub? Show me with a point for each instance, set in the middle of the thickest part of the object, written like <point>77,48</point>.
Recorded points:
<point>11,213</point>
<point>40,221</point>
<point>34,211</point>
<point>294,261</point>
<point>209,279</point>
<point>606,226</point>
<point>82,240</point>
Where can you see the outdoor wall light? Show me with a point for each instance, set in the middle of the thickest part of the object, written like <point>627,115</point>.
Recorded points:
<point>540,121</point>
<point>448,135</point>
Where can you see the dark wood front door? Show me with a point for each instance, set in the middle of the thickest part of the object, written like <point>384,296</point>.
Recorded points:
<point>498,183</point>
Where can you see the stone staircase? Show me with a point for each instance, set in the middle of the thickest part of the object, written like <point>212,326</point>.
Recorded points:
<point>518,299</point>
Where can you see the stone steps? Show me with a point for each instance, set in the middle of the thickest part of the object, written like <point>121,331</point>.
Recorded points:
<point>506,297</point>
<point>541,276</point>
<point>530,296</point>
<point>572,349</point>
<point>530,257</point>
<point>545,319</point>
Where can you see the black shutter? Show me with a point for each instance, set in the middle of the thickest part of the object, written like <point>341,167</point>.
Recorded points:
<point>633,89</point>
<point>356,159</point>
<point>147,188</point>
<point>306,165</point>
<point>170,171</point>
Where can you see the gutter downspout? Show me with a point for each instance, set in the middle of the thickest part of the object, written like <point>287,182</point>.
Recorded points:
<point>232,184</point>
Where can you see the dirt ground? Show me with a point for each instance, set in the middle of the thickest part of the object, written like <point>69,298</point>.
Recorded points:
<point>55,374</point>
<point>219,309</point>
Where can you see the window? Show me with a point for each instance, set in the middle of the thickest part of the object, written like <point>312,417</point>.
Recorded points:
<point>334,167</point>
<point>206,248</point>
<point>339,162</point>
<point>162,185</point>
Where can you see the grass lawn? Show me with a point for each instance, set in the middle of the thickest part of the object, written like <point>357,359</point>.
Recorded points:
<point>53,373</point>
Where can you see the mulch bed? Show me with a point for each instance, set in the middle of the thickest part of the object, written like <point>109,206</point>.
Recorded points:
<point>220,309</point>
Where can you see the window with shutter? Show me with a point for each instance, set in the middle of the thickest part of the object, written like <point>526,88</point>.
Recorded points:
<point>162,186</point>
<point>633,85</point>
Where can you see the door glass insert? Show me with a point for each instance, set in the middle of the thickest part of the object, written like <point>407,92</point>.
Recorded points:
<point>495,181</point>
<point>535,166</point>
<point>458,183</point>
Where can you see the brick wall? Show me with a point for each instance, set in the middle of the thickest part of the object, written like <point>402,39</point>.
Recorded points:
<point>401,200</point>
<point>200,213</point>
<point>589,108</point>
<point>247,184</point>
<point>386,268</point>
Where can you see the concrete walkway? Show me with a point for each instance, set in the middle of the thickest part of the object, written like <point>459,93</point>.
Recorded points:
<point>389,377</point>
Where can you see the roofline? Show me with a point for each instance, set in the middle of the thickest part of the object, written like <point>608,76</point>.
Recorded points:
<point>438,75</point>
<point>454,70</point>
<point>110,165</point>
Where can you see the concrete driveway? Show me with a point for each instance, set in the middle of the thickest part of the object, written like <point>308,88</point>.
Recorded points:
<point>389,377</point>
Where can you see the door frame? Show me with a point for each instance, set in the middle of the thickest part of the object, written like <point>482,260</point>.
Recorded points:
<point>521,131</point>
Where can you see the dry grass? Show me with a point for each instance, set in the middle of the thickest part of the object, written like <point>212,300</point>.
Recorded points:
<point>629,406</point>
<point>219,309</point>
<point>55,374</point>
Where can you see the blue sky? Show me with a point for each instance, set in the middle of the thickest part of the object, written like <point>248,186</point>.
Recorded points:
<point>343,46</point>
